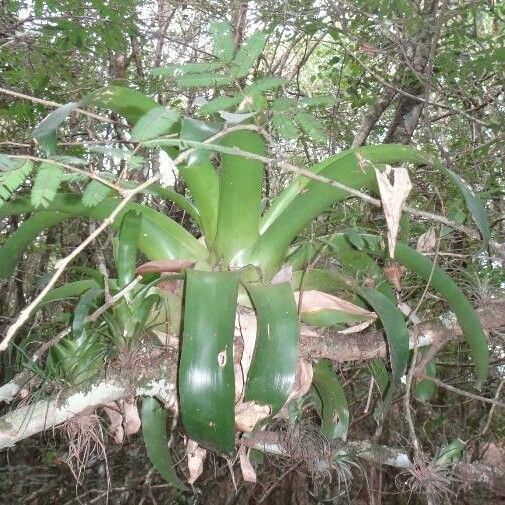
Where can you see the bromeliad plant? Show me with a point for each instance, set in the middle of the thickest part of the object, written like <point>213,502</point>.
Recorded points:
<point>238,260</point>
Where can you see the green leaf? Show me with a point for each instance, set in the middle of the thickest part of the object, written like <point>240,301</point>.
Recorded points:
<point>222,38</point>
<point>130,103</point>
<point>240,187</point>
<point>395,328</point>
<point>272,372</point>
<point>70,290</point>
<point>303,200</point>
<point>154,430</point>
<point>264,84</point>
<point>380,374</point>
<point>318,101</point>
<point>247,54</point>
<point>46,184</point>
<point>45,132</point>
<point>474,205</point>
<point>95,193</point>
<point>82,310</point>
<point>154,123</point>
<point>204,80</point>
<point>220,103</point>
<point>446,287</point>
<point>206,371</point>
<point>128,239</point>
<point>12,179</point>
<point>185,68</point>
<point>334,410</point>
<point>311,126</point>
<point>17,241</point>
<point>285,126</point>
<point>200,175</point>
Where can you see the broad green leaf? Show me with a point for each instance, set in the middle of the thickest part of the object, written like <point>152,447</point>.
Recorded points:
<point>272,372</point>
<point>9,163</point>
<point>127,245</point>
<point>130,103</point>
<point>11,179</point>
<point>17,241</point>
<point>160,236</point>
<point>45,132</point>
<point>474,205</point>
<point>240,187</point>
<point>200,175</point>
<point>380,374</point>
<point>446,287</point>
<point>46,184</point>
<point>222,38</point>
<point>206,371</point>
<point>395,328</point>
<point>95,193</point>
<point>84,305</point>
<point>247,54</point>
<point>154,123</point>
<point>70,290</point>
<point>303,200</point>
<point>154,430</point>
<point>334,410</point>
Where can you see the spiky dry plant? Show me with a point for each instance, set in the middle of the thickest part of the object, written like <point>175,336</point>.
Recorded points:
<point>86,444</point>
<point>430,478</point>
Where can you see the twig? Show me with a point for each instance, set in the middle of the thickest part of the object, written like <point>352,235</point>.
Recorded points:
<point>50,103</point>
<point>77,170</point>
<point>492,409</point>
<point>462,392</point>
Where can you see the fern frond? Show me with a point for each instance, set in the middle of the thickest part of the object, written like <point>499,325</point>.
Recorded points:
<point>46,184</point>
<point>12,179</point>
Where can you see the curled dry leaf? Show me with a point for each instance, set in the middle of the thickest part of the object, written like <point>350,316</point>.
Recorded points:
<point>248,472</point>
<point>239,382</point>
<point>303,380</point>
<point>248,414</point>
<point>427,241</point>
<point>160,266</point>
<point>394,273</point>
<point>131,417</point>
<point>314,301</point>
<point>394,186</point>
<point>115,422</point>
<point>196,457</point>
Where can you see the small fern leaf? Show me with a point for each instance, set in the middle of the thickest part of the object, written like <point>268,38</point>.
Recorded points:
<point>46,184</point>
<point>310,125</point>
<point>222,38</point>
<point>11,180</point>
<point>220,103</point>
<point>248,54</point>
<point>177,70</point>
<point>204,80</point>
<point>95,193</point>
<point>265,84</point>
<point>285,126</point>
